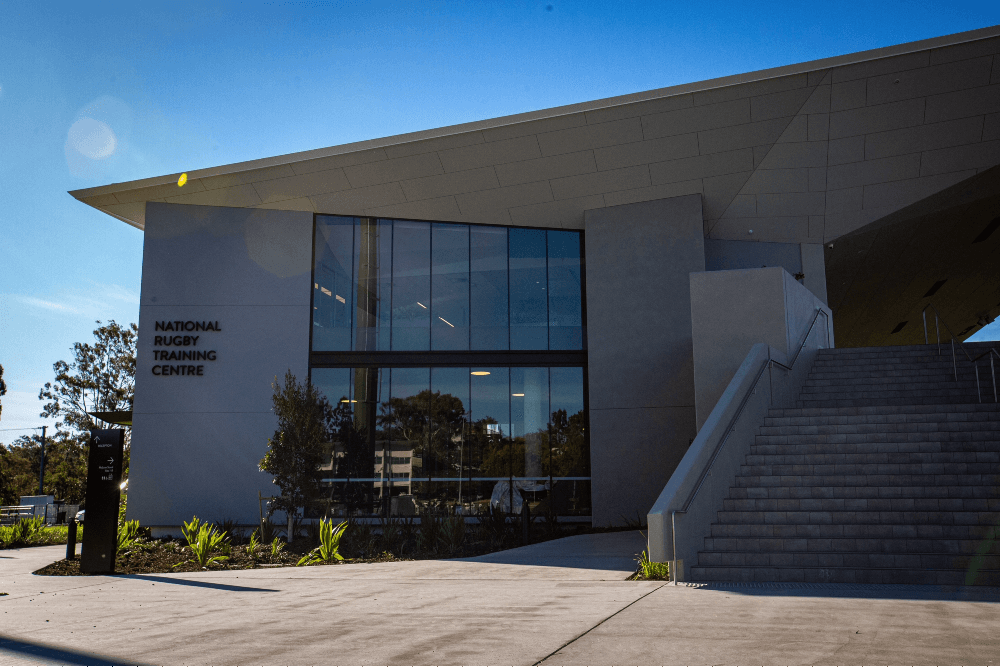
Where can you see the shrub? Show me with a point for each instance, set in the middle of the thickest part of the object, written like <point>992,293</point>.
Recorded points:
<point>128,533</point>
<point>203,540</point>
<point>26,531</point>
<point>651,570</point>
<point>329,544</point>
<point>277,546</point>
<point>253,545</point>
<point>452,534</point>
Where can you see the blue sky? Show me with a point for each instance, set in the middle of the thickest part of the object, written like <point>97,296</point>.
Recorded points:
<point>185,86</point>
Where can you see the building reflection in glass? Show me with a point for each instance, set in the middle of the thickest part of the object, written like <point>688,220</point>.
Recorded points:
<point>444,440</point>
<point>404,285</point>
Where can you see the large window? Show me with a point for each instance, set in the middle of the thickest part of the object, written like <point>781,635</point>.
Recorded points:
<point>453,440</point>
<point>454,355</point>
<point>401,285</point>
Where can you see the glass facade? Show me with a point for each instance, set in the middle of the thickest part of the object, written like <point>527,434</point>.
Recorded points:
<point>419,341</point>
<point>450,439</point>
<point>401,285</point>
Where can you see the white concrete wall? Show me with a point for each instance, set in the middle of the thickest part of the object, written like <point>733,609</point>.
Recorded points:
<point>733,310</point>
<point>641,400</point>
<point>197,440</point>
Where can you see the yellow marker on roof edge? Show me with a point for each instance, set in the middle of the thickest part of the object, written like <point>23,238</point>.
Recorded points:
<point>182,180</point>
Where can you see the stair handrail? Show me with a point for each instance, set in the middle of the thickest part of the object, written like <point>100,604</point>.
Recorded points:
<point>991,352</point>
<point>731,427</point>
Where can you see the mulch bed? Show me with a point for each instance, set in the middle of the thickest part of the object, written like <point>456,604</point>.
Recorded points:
<point>153,557</point>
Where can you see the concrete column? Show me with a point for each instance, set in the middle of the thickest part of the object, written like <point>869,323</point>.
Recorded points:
<point>641,374</point>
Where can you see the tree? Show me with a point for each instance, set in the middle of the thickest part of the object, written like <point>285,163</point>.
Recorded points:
<point>306,420</point>
<point>3,388</point>
<point>65,468</point>
<point>100,378</point>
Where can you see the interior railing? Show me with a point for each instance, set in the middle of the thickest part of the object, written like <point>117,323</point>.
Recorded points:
<point>732,427</point>
<point>991,353</point>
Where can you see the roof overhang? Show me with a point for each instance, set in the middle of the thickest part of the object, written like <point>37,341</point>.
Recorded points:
<point>221,185</point>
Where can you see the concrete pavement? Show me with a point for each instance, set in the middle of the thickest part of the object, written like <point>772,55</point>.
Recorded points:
<point>558,602</point>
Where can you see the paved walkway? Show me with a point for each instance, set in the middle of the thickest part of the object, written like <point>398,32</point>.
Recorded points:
<point>562,602</point>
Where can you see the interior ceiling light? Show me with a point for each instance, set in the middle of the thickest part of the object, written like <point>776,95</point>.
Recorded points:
<point>446,322</point>
<point>347,400</point>
<point>480,372</point>
<point>421,305</point>
<point>517,394</point>
<point>325,291</point>
<point>341,299</point>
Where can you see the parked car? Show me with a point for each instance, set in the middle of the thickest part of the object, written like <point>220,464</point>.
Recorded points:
<point>79,516</point>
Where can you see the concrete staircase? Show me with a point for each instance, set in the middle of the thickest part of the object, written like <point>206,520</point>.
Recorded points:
<point>886,472</point>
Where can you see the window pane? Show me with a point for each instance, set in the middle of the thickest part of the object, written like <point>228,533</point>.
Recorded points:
<point>570,452</point>
<point>449,403</point>
<point>411,285</point>
<point>528,282</point>
<point>333,300</point>
<point>450,287</point>
<point>488,285</point>
<point>529,412</point>
<point>373,266</point>
<point>565,295</point>
<point>490,422</point>
<point>408,417</point>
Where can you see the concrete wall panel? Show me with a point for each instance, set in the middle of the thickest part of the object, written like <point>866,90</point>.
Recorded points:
<point>197,439</point>
<point>639,257</point>
<point>591,136</point>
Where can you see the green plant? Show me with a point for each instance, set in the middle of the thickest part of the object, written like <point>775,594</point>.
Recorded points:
<point>203,540</point>
<point>277,546</point>
<point>329,544</point>
<point>190,529</point>
<point>494,528</point>
<point>26,531</point>
<point>429,533</point>
<point>452,534</point>
<point>267,532</point>
<point>651,570</point>
<point>362,540</point>
<point>252,545</point>
<point>128,534</point>
<point>394,534</point>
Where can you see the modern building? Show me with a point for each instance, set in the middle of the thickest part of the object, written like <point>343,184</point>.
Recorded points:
<point>558,298</point>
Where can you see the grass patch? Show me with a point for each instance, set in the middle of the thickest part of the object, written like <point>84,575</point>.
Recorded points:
<point>648,570</point>
<point>34,533</point>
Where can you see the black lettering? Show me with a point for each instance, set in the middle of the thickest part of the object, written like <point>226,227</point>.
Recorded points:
<point>217,328</point>
<point>191,370</point>
<point>178,326</point>
<point>175,370</point>
<point>189,326</point>
<point>155,370</point>
<point>158,340</point>
<point>211,355</point>
<point>159,326</point>
<point>201,370</point>
<point>199,326</point>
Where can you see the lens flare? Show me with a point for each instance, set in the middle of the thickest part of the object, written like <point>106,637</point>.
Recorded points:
<point>182,180</point>
<point>92,138</point>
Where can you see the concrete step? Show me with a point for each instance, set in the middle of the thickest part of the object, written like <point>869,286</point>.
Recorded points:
<point>863,410</point>
<point>915,504</point>
<point>876,400</point>
<point>790,446</point>
<point>959,415</point>
<point>894,384</point>
<point>987,491</point>
<point>949,577</point>
<point>869,469</point>
<point>855,558</point>
<point>888,479</point>
<point>861,517</point>
<point>950,538</point>
<point>869,458</point>
<point>919,425</point>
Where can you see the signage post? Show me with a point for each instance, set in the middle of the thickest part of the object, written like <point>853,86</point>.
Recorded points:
<point>104,471</point>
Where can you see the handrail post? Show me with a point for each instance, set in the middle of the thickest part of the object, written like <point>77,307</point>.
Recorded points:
<point>994,375</point>
<point>954,364</point>
<point>923,314</point>
<point>978,391</point>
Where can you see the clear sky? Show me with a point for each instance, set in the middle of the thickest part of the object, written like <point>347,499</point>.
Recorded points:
<point>190,85</point>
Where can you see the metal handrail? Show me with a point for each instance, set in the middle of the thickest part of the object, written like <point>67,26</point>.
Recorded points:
<point>991,352</point>
<point>732,426</point>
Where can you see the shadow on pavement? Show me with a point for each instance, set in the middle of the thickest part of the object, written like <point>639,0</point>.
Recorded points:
<point>48,654</point>
<point>199,584</point>
<point>873,591</point>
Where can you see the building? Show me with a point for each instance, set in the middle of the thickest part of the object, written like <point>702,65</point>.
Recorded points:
<point>512,299</point>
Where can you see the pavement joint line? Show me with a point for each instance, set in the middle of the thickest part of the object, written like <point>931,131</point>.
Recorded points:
<point>588,630</point>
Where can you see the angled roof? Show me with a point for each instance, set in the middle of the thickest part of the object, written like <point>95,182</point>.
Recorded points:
<point>774,151</point>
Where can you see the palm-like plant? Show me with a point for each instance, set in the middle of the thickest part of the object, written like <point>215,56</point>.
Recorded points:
<point>329,544</point>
